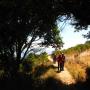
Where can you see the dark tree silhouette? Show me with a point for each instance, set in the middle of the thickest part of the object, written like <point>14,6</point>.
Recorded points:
<point>20,19</point>
<point>36,19</point>
<point>79,10</point>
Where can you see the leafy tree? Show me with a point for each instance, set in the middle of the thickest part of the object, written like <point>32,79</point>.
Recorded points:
<point>22,24</point>
<point>56,52</point>
<point>79,12</point>
<point>36,19</point>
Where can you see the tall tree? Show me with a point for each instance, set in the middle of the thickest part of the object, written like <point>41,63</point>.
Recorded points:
<point>37,19</point>
<point>22,23</point>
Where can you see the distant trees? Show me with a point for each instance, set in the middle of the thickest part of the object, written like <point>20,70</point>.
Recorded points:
<point>38,59</point>
<point>78,49</point>
<point>56,52</point>
<point>34,60</point>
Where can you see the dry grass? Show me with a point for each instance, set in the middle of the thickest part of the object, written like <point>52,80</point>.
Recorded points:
<point>76,70</point>
<point>85,60</point>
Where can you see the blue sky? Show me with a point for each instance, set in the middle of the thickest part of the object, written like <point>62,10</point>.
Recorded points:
<point>69,37</point>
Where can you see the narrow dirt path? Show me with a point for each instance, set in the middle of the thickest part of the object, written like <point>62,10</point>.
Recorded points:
<point>64,76</point>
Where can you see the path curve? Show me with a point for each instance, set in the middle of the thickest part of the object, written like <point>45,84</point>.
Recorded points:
<point>64,76</point>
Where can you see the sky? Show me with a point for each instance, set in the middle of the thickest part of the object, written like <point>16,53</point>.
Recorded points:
<point>72,38</point>
<point>69,37</point>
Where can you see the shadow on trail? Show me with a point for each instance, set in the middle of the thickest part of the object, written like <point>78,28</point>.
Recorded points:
<point>42,69</point>
<point>26,82</point>
<point>53,84</point>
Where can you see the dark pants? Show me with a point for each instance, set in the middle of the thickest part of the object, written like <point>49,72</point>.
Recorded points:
<point>60,66</point>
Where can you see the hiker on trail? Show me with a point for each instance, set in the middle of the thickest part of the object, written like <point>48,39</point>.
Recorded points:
<point>54,58</point>
<point>63,61</point>
<point>59,60</point>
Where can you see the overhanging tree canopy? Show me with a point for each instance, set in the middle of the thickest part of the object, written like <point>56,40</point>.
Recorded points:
<point>20,19</point>
<point>37,19</point>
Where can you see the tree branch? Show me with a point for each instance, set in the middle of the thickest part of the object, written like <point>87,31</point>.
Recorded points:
<point>28,46</point>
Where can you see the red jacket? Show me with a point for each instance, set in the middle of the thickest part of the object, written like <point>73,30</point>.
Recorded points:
<point>59,58</point>
<point>63,58</point>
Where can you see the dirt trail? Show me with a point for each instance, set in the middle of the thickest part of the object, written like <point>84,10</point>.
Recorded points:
<point>64,76</point>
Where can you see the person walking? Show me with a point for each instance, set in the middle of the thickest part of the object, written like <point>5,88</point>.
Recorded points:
<point>63,61</point>
<point>59,60</point>
<point>55,58</point>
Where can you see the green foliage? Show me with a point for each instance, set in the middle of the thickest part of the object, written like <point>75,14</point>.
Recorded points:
<point>78,49</point>
<point>57,39</point>
<point>33,61</point>
<point>20,19</point>
<point>56,52</point>
<point>37,59</point>
<point>43,57</point>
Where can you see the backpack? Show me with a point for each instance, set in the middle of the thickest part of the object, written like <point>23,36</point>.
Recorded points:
<point>59,59</point>
<point>63,58</point>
